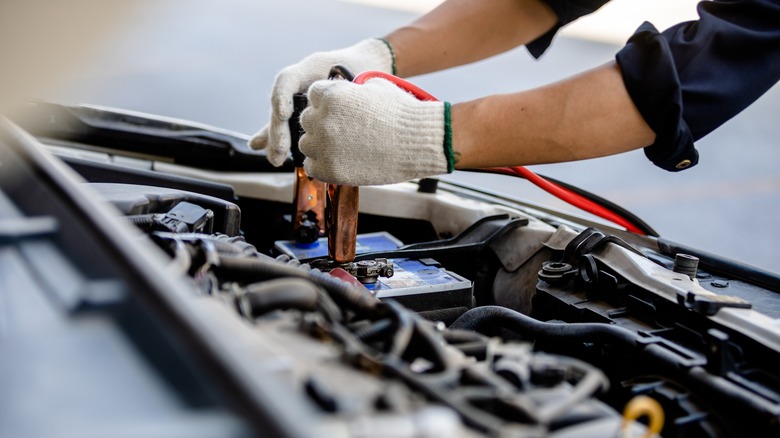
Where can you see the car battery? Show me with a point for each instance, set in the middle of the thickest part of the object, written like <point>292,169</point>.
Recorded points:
<point>420,284</point>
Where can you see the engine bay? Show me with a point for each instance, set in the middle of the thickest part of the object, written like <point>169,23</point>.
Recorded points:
<point>464,313</point>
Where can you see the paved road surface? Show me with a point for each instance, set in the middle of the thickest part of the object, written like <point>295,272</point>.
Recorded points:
<point>214,62</point>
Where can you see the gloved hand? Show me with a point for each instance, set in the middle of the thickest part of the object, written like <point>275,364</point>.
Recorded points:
<point>369,54</point>
<point>374,133</point>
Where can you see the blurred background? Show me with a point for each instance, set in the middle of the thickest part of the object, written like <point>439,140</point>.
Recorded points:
<point>214,62</point>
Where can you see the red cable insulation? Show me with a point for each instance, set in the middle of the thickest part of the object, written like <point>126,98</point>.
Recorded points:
<point>416,91</point>
<point>549,187</point>
<point>575,199</point>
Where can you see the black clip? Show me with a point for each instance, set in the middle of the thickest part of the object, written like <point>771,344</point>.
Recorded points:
<point>710,304</point>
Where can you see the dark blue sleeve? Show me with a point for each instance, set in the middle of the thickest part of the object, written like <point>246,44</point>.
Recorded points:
<point>694,76</point>
<point>567,11</point>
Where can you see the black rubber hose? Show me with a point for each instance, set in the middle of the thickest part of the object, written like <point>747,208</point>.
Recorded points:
<point>223,247</point>
<point>330,309</point>
<point>224,244</point>
<point>236,243</point>
<point>404,329</point>
<point>592,382</point>
<point>487,318</point>
<point>372,331</point>
<point>453,336</point>
<point>143,221</point>
<point>435,349</point>
<point>282,293</point>
<point>477,350</point>
<point>261,269</point>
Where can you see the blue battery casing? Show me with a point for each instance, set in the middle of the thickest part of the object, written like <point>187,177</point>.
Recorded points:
<point>369,242</point>
<point>411,276</point>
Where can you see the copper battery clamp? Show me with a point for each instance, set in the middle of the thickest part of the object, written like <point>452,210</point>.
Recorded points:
<point>308,220</point>
<point>342,207</point>
<point>342,213</point>
<point>319,208</point>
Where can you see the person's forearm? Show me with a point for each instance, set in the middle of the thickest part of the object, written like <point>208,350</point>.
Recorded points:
<point>462,31</point>
<point>586,116</point>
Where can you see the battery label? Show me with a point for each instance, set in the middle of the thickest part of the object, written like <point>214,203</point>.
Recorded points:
<point>410,276</point>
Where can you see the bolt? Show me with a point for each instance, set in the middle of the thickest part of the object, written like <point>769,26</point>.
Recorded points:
<point>686,264</point>
<point>720,284</point>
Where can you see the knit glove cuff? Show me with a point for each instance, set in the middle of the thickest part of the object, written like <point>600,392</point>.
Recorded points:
<point>369,54</point>
<point>373,134</point>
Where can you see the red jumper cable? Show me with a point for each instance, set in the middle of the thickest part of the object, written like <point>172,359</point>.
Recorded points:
<point>562,193</point>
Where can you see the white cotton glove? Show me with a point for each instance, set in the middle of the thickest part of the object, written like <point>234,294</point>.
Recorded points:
<point>375,133</point>
<point>369,54</point>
